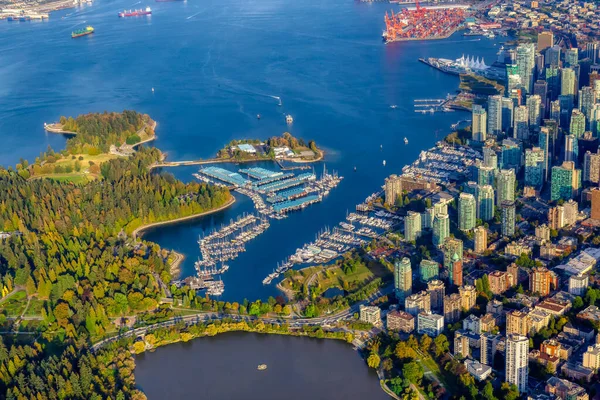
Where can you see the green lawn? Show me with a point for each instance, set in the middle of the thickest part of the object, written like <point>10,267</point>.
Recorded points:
<point>14,304</point>
<point>35,307</point>
<point>74,177</point>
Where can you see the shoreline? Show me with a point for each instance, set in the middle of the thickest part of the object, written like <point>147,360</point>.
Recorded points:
<point>175,266</point>
<point>139,230</point>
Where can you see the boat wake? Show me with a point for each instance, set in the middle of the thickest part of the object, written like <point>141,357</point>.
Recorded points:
<point>192,16</point>
<point>136,3</point>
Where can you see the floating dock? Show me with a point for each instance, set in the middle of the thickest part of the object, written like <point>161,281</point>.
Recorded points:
<point>233,178</point>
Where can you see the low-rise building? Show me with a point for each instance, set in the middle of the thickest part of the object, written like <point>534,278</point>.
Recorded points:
<point>576,371</point>
<point>580,331</point>
<point>592,313</point>
<point>478,370</point>
<point>400,321</point>
<point>578,284</point>
<point>370,314</point>
<point>565,389</point>
<point>554,307</point>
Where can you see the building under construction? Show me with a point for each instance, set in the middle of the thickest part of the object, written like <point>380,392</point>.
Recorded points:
<point>422,23</point>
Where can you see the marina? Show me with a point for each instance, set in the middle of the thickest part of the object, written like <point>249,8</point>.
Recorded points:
<point>357,230</point>
<point>443,162</point>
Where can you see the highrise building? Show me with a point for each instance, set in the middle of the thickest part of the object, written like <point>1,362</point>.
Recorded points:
<point>571,148</point>
<point>534,167</point>
<point>556,217</point>
<point>499,281</point>
<point>545,40</point>
<point>517,361</point>
<point>505,186</point>
<point>541,281</point>
<point>555,111</point>
<point>517,323</point>
<point>479,124</point>
<point>571,212</point>
<point>485,200</point>
<point>461,344</point>
<point>455,274</point>
<point>468,296</point>
<point>542,233</point>
<point>540,88</point>
<point>577,126</point>
<point>417,303</point>
<point>543,143</point>
<point>591,358</point>
<point>441,229</point>
<point>553,56</point>
<point>452,308</point>
<point>508,107</point>
<point>591,167</point>
<point>587,99</point>
<point>489,344</point>
<point>480,239</point>
<point>572,57</point>
<point>591,51</point>
<point>553,79</point>
<point>402,279</point>
<point>526,64</point>
<point>566,181</point>
<point>566,106</point>
<point>467,214</point>
<point>534,109</point>
<point>595,213</point>
<point>511,154</point>
<point>428,270</point>
<point>485,175</point>
<point>437,291</point>
<point>567,82</point>
<point>490,158</point>
<point>521,123</point>
<point>453,255</point>
<point>393,189</point>
<point>430,324</point>
<point>471,187</point>
<point>508,217</point>
<point>594,119</point>
<point>412,226</point>
<point>427,218</point>
<point>494,115</point>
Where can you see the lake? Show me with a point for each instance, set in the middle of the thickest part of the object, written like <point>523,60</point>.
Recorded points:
<point>224,367</point>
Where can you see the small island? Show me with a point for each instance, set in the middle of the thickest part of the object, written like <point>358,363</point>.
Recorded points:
<point>286,147</point>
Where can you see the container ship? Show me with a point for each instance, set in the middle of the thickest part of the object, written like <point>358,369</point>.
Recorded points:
<point>135,13</point>
<point>82,32</point>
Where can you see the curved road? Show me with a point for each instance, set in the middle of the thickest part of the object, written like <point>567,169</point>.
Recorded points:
<point>208,316</point>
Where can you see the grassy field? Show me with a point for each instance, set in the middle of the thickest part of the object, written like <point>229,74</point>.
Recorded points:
<point>35,307</point>
<point>334,276</point>
<point>83,175</point>
<point>480,85</point>
<point>14,304</point>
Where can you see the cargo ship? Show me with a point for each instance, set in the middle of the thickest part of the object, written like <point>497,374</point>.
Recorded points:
<point>82,32</point>
<point>135,13</point>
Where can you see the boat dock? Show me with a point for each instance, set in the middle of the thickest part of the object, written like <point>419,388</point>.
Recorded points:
<point>358,230</point>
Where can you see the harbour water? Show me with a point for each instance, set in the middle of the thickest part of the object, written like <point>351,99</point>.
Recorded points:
<point>225,367</point>
<point>214,65</point>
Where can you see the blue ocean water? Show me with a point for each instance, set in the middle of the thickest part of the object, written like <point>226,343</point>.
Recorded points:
<point>214,65</point>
